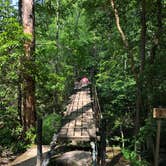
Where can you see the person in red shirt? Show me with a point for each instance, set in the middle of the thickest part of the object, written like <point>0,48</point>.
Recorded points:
<point>84,81</point>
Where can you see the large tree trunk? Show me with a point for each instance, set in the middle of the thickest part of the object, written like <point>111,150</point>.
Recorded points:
<point>19,86</point>
<point>27,12</point>
<point>143,36</point>
<point>139,100</point>
<point>155,46</point>
<point>156,40</point>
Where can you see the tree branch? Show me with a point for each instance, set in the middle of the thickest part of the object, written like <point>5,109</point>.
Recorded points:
<point>124,39</point>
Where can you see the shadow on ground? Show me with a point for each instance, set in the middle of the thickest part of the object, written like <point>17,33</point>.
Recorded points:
<point>29,157</point>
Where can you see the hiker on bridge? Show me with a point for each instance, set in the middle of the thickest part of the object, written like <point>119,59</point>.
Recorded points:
<point>84,82</point>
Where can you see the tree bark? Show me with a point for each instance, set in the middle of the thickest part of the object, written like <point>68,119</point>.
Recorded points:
<point>20,103</point>
<point>156,39</point>
<point>57,21</point>
<point>139,100</point>
<point>29,115</point>
<point>20,10</point>
<point>143,36</point>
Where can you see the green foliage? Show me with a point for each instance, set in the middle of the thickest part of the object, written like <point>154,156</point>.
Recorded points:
<point>13,137</point>
<point>23,140</point>
<point>146,131</point>
<point>11,51</point>
<point>133,158</point>
<point>51,124</point>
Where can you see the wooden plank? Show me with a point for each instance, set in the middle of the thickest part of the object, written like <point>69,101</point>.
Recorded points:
<point>81,138</point>
<point>66,125</point>
<point>72,124</point>
<point>78,123</point>
<point>159,113</point>
<point>77,132</point>
<point>63,132</point>
<point>70,132</point>
<point>84,125</point>
<point>84,132</point>
<point>92,132</point>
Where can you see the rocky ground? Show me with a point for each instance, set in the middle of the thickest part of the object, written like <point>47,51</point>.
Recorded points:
<point>28,158</point>
<point>6,157</point>
<point>72,157</point>
<point>83,157</point>
<point>115,158</point>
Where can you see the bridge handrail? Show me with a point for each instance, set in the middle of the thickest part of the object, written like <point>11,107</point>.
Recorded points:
<point>96,104</point>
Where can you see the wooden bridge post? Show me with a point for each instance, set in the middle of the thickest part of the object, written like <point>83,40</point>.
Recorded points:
<point>93,146</point>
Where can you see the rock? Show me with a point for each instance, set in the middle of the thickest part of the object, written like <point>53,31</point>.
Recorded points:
<point>74,158</point>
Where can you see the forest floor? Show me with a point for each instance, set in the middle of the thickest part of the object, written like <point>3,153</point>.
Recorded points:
<point>113,155</point>
<point>82,157</point>
<point>28,158</point>
<point>6,156</point>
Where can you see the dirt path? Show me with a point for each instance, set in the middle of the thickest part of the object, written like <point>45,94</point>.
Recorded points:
<point>29,157</point>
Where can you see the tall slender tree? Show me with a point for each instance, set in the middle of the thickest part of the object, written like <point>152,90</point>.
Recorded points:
<point>28,19</point>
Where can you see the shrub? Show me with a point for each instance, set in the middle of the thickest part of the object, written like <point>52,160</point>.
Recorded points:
<point>50,126</point>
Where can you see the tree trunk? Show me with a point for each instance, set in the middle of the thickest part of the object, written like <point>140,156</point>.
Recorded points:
<point>122,136</point>
<point>143,36</point>
<point>27,12</point>
<point>139,101</point>
<point>20,103</point>
<point>124,39</point>
<point>132,63</point>
<point>138,108</point>
<point>156,39</point>
<point>155,46</point>
<point>39,141</point>
<point>19,100</point>
<point>57,22</point>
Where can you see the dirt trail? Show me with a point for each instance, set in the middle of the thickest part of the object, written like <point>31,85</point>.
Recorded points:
<point>29,157</point>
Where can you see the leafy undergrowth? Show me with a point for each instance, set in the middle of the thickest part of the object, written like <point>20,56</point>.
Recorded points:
<point>134,158</point>
<point>51,124</point>
<point>123,157</point>
<point>114,157</point>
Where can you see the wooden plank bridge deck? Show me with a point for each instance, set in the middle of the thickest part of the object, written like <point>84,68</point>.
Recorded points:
<point>79,122</point>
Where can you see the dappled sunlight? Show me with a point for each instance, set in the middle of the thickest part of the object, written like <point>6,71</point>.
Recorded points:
<point>29,158</point>
<point>79,118</point>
